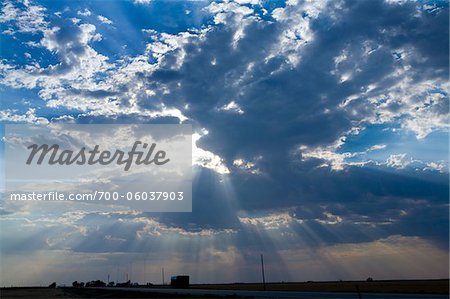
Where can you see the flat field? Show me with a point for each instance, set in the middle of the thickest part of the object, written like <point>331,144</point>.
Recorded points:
<point>72,293</point>
<point>424,287</point>
<point>437,286</point>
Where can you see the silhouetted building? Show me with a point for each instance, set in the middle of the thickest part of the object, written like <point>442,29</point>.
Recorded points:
<point>179,281</point>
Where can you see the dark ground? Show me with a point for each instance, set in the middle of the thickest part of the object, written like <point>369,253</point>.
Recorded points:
<point>440,286</point>
<point>435,286</point>
<point>72,293</point>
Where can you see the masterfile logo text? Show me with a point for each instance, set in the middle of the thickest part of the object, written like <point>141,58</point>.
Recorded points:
<point>94,156</point>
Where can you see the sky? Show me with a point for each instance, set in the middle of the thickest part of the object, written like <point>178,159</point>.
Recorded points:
<point>320,136</point>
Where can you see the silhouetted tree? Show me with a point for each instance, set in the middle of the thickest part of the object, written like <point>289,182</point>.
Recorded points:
<point>124,284</point>
<point>95,283</point>
<point>77,284</point>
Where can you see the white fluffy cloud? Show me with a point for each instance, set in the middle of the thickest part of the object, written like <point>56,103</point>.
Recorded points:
<point>85,13</point>
<point>142,1</point>
<point>104,20</point>
<point>232,107</point>
<point>31,19</point>
<point>398,161</point>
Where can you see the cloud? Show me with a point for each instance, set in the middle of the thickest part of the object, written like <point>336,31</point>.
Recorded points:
<point>273,221</point>
<point>144,2</point>
<point>398,161</point>
<point>440,166</point>
<point>232,107</point>
<point>248,166</point>
<point>85,13</point>
<point>28,117</point>
<point>104,20</point>
<point>30,19</point>
<point>207,159</point>
<point>281,101</point>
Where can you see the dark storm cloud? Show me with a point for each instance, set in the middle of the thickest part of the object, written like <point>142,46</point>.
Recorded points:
<point>284,106</point>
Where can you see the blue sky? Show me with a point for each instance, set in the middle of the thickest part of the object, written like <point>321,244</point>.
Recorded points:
<point>321,136</point>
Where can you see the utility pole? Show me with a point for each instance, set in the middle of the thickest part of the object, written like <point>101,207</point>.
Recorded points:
<point>262,271</point>
<point>145,271</point>
<point>162,273</point>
